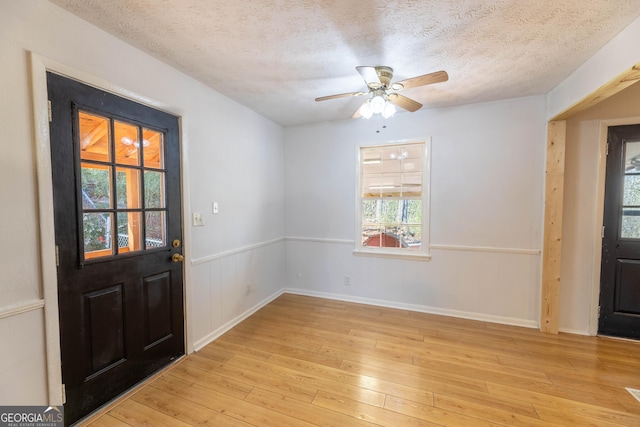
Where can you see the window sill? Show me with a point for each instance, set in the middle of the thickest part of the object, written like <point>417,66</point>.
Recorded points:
<point>421,256</point>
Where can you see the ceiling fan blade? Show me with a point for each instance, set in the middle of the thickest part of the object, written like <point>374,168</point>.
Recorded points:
<point>404,102</point>
<point>340,95</point>
<point>427,79</point>
<point>369,74</point>
<point>357,114</point>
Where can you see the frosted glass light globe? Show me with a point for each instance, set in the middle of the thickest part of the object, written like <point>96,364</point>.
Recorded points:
<point>377,104</point>
<point>365,110</point>
<point>389,110</point>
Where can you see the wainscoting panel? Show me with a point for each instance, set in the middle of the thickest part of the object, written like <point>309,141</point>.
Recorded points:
<point>231,286</point>
<point>484,283</point>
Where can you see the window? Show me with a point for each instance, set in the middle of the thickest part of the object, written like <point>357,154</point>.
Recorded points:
<point>122,186</point>
<point>392,207</point>
<point>630,224</point>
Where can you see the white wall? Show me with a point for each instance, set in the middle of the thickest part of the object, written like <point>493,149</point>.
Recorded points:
<point>486,192</point>
<point>234,157</point>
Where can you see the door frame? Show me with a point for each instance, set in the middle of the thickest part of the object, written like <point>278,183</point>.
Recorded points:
<point>550,277</point>
<point>600,188</point>
<point>48,270</point>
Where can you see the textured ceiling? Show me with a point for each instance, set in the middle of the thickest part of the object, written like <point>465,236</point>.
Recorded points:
<point>276,56</point>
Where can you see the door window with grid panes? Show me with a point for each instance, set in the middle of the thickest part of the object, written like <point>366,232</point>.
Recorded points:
<point>122,186</point>
<point>392,199</point>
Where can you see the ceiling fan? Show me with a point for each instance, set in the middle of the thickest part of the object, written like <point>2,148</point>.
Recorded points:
<point>384,94</point>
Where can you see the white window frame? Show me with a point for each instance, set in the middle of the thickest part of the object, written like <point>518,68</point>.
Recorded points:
<point>423,253</point>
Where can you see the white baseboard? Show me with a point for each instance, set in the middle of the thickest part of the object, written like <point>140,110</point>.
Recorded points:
<point>419,308</point>
<point>212,336</point>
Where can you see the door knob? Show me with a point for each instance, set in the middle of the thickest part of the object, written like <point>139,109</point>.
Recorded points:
<point>177,258</point>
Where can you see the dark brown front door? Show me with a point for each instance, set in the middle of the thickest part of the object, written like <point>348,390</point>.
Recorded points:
<point>117,208</point>
<point>620,277</point>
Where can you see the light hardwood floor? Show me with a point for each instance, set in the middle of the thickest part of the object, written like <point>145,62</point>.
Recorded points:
<point>303,361</point>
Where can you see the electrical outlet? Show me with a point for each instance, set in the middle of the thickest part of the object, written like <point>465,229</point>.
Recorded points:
<point>347,280</point>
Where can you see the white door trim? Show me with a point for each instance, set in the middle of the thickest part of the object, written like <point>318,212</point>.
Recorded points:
<point>39,67</point>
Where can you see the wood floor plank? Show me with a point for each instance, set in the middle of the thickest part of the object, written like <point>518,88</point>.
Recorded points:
<point>463,353</point>
<point>138,415</point>
<point>287,386</point>
<point>487,400</point>
<point>218,354</point>
<point>107,420</point>
<point>185,410</point>
<point>593,385</point>
<point>578,352</point>
<point>372,414</point>
<point>336,380</point>
<point>206,378</point>
<point>631,405</point>
<point>293,340</point>
<point>521,361</point>
<point>240,349</point>
<point>391,335</point>
<point>323,378</point>
<point>482,369</point>
<point>314,414</point>
<point>433,414</point>
<point>574,417</point>
<point>551,393</point>
<point>472,337</point>
<point>339,340</point>
<point>387,356</point>
<point>271,345</point>
<point>597,406</point>
<point>227,405</point>
<point>418,379</point>
<point>306,361</point>
<point>621,370</point>
<point>487,413</point>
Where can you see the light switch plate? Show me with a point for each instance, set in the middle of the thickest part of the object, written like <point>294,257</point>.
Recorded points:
<point>214,207</point>
<point>198,219</point>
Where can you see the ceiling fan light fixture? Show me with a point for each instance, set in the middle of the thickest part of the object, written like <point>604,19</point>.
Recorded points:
<point>382,91</point>
<point>389,110</point>
<point>366,110</point>
<point>377,104</point>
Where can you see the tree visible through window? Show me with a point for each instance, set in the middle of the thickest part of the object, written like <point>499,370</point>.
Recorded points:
<point>391,193</point>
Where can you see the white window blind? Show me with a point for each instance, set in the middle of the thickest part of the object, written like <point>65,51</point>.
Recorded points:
<point>392,171</point>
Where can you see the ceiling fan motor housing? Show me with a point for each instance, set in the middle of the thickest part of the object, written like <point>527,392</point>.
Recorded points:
<point>385,74</point>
